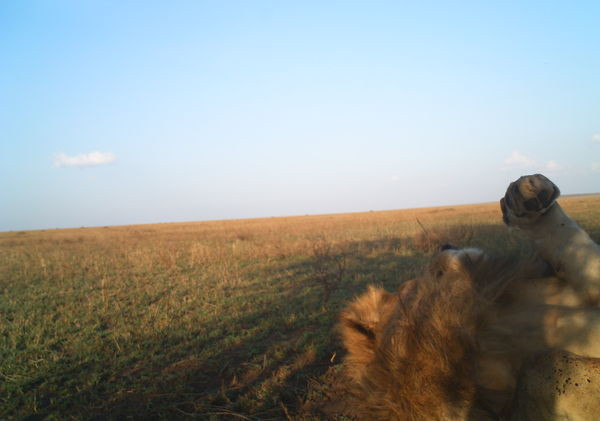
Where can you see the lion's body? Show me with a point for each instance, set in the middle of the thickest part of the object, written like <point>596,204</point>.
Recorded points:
<point>479,338</point>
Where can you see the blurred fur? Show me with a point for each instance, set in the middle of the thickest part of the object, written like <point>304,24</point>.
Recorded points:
<point>483,338</point>
<point>450,344</point>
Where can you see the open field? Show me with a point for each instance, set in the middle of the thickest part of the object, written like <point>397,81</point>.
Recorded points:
<point>213,320</point>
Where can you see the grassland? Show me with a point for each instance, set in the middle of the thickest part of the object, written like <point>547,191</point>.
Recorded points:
<point>211,320</point>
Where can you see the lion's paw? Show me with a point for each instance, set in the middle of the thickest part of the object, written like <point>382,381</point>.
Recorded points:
<point>528,198</point>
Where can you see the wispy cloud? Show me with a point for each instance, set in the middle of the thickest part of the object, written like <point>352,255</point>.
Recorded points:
<point>520,160</point>
<point>596,137</point>
<point>83,160</point>
<point>553,166</point>
<point>523,162</point>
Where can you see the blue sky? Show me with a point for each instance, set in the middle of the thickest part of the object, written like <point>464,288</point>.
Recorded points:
<point>138,112</point>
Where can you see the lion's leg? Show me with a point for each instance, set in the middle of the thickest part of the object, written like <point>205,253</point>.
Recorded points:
<point>558,385</point>
<point>530,205</point>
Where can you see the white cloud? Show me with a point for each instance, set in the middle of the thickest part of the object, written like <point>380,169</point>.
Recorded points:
<point>596,137</point>
<point>553,166</point>
<point>84,160</point>
<point>517,159</point>
<point>595,166</point>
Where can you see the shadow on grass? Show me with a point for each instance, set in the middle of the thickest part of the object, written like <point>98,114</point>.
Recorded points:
<point>266,364</point>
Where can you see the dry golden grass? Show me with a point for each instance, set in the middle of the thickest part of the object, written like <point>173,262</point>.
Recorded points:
<point>210,319</point>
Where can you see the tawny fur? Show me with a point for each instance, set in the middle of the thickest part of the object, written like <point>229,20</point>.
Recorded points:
<point>413,355</point>
<point>479,338</point>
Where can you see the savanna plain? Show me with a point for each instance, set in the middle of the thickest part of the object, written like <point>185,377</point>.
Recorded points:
<point>209,320</point>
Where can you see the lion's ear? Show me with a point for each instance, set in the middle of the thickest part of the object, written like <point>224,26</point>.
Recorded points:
<point>359,323</point>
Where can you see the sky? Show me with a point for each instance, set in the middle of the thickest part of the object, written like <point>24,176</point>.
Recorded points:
<point>130,112</point>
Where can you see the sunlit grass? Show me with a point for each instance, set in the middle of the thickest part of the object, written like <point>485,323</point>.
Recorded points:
<point>213,319</point>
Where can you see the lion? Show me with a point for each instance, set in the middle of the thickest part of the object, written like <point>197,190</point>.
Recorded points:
<point>477,337</point>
